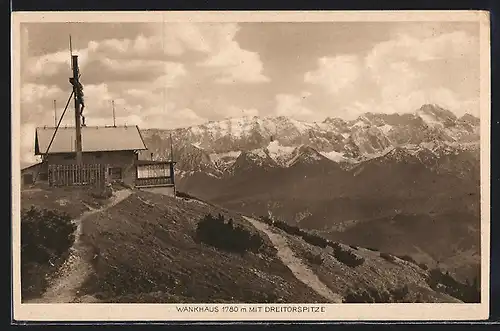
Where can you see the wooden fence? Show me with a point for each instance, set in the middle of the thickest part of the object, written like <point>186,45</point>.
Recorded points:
<point>158,181</point>
<point>74,174</point>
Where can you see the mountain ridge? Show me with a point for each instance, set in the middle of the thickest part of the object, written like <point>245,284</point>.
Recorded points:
<point>368,136</point>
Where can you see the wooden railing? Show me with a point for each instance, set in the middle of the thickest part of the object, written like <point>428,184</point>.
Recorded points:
<point>74,174</point>
<point>156,181</point>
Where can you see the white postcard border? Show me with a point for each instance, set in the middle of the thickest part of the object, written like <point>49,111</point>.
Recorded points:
<point>327,312</point>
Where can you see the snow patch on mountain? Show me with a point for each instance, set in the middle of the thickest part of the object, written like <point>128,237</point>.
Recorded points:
<point>429,119</point>
<point>303,127</point>
<point>306,155</point>
<point>257,153</point>
<point>224,156</point>
<point>334,156</point>
<point>359,124</point>
<point>195,130</point>
<point>223,161</point>
<point>213,175</point>
<point>385,128</point>
<point>256,159</point>
<point>399,154</point>
<point>413,149</point>
<point>280,154</point>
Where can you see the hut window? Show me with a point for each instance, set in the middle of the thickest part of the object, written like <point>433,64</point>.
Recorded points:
<point>115,173</point>
<point>153,171</point>
<point>28,178</point>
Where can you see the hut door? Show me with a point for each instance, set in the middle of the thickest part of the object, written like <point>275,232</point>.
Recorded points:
<point>28,178</point>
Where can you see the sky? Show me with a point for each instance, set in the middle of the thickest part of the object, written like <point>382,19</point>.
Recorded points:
<point>167,75</point>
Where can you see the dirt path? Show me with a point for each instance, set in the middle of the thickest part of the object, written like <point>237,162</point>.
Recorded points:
<point>300,270</point>
<point>76,268</point>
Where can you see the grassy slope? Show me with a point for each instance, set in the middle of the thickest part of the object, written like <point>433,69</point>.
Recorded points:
<point>375,272</point>
<point>453,243</point>
<point>148,254</point>
<point>73,201</point>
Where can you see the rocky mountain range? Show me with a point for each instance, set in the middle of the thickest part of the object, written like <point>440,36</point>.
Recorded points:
<point>403,183</point>
<point>219,147</point>
<point>222,147</point>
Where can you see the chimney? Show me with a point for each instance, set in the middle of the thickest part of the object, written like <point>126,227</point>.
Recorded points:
<point>151,156</point>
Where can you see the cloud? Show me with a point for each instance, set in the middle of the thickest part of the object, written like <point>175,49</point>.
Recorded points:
<point>173,39</point>
<point>170,116</point>
<point>133,72</point>
<point>32,93</point>
<point>99,67</point>
<point>53,63</point>
<point>335,73</point>
<point>37,103</point>
<point>232,63</point>
<point>233,111</point>
<point>403,58</point>
<point>411,70</point>
<point>397,75</point>
<point>292,105</point>
<point>453,45</point>
<point>212,48</point>
<point>189,35</point>
<point>413,100</point>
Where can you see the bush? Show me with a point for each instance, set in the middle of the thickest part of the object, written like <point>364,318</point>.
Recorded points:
<point>314,240</point>
<point>215,232</point>
<point>310,238</point>
<point>290,229</point>
<point>333,244</point>
<point>45,234</point>
<point>423,266</point>
<point>374,295</point>
<point>185,195</point>
<point>266,219</point>
<point>347,257</point>
<point>46,237</point>
<point>408,258</point>
<point>358,296</point>
<point>449,285</point>
<point>102,192</point>
<point>313,258</point>
<point>388,257</point>
<point>399,294</point>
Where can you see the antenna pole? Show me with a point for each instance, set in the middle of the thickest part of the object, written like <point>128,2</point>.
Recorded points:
<point>171,149</point>
<point>114,118</point>
<point>172,165</point>
<point>74,62</point>
<point>55,113</point>
<point>44,156</point>
<point>70,53</point>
